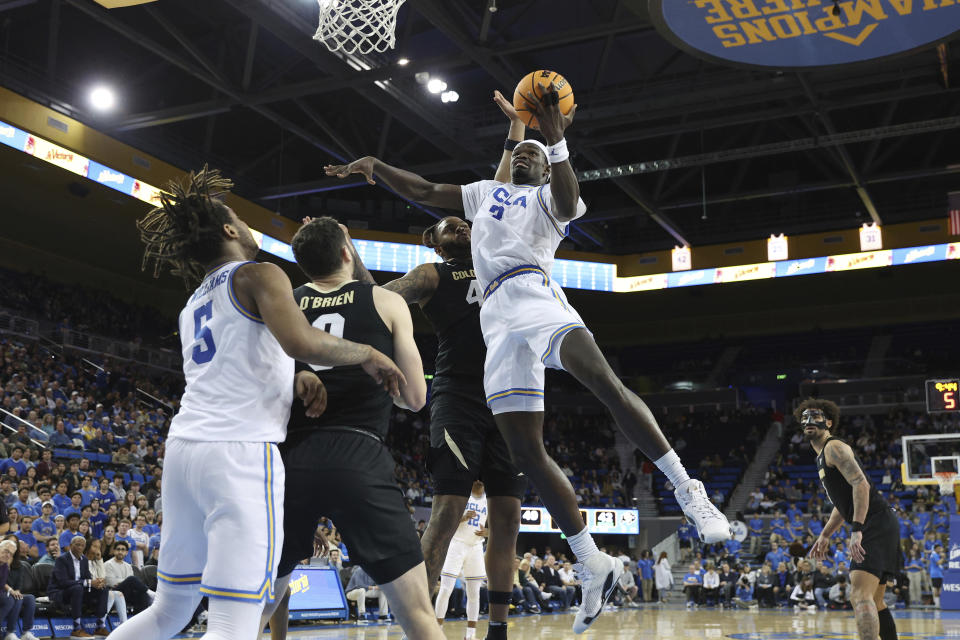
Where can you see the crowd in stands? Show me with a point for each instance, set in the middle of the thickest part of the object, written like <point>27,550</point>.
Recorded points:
<point>543,583</point>
<point>795,510</point>
<point>594,468</point>
<point>695,437</point>
<point>81,308</point>
<point>79,474</point>
<point>81,454</point>
<point>771,567</point>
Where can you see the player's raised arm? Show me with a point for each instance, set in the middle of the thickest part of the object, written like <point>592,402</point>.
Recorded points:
<point>408,185</point>
<point>416,286</point>
<point>514,136</point>
<point>266,288</point>
<point>564,188</point>
<point>393,309</point>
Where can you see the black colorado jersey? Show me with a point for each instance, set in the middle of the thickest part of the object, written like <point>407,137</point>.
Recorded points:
<point>354,399</point>
<point>454,312</point>
<point>841,493</point>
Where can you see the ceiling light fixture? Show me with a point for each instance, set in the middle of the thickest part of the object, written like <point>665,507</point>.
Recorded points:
<point>102,98</point>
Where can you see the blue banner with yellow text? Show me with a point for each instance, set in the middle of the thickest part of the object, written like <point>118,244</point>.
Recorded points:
<point>804,33</point>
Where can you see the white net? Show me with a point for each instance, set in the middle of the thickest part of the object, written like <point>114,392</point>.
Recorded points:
<point>358,26</point>
<point>946,479</point>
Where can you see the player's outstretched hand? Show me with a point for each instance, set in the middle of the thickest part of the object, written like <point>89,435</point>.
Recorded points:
<point>506,106</point>
<point>384,371</point>
<point>819,549</point>
<point>363,165</point>
<point>857,553</point>
<point>310,389</point>
<point>547,109</point>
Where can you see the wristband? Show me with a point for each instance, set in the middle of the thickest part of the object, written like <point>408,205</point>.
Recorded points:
<point>510,145</point>
<point>856,526</point>
<point>558,152</point>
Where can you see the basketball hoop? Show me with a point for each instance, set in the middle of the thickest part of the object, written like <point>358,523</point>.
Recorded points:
<point>946,479</point>
<point>358,26</point>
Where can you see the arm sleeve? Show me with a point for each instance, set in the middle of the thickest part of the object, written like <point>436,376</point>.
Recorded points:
<point>473,195</point>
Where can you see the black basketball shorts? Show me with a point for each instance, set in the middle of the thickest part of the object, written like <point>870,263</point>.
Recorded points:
<point>347,477</point>
<point>465,445</point>
<point>881,546</point>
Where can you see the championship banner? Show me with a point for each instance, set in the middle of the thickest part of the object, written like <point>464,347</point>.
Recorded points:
<point>803,34</point>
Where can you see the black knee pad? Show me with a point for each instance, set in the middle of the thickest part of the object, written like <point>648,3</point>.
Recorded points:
<point>500,597</point>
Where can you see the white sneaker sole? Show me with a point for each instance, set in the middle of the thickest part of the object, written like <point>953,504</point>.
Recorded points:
<point>717,536</point>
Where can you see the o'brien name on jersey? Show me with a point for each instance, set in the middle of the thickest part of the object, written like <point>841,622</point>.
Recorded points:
<point>316,302</point>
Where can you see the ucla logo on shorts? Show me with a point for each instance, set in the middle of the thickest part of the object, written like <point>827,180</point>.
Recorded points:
<point>794,34</point>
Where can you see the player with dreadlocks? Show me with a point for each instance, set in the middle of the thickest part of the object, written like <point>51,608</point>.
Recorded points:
<point>223,478</point>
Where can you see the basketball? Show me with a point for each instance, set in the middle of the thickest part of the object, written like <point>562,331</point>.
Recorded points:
<point>531,84</point>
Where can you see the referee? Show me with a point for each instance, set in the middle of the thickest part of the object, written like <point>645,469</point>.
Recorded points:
<point>875,539</point>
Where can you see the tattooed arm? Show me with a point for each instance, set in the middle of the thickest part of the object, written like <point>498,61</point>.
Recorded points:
<point>418,285</point>
<point>840,455</point>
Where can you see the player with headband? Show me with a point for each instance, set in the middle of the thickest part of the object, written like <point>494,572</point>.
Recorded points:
<point>528,325</point>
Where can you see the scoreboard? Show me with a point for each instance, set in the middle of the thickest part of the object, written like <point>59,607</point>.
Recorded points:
<point>615,521</point>
<point>943,396</point>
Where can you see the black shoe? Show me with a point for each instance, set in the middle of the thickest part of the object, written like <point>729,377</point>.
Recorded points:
<point>496,632</point>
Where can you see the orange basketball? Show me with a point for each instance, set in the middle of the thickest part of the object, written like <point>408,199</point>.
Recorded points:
<point>531,84</point>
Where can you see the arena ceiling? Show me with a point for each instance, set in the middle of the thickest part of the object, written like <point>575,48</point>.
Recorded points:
<point>240,84</point>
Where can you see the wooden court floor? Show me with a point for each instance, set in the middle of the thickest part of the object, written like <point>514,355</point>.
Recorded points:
<point>674,621</point>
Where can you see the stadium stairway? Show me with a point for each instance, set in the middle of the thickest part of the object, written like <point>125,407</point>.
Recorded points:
<point>753,476</point>
<point>879,346</point>
<point>643,497</point>
<point>724,362</point>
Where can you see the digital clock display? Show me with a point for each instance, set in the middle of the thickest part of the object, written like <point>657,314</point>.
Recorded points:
<point>943,395</point>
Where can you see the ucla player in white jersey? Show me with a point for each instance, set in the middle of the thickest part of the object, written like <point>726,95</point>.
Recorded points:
<point>223,478</point>
<point>528,325</point>
<point>465,554</point>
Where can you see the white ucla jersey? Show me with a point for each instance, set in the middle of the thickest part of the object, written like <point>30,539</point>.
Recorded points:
<point>467,531</point>
<point>512,226</point>
<point>239,380</point>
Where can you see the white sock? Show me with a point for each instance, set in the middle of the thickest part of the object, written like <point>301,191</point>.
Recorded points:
<point>671,466</point>
<point>583,545</point>
<point>470,633</point>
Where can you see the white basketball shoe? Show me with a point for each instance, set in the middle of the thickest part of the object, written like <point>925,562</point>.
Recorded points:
<point>710,523</point>
<point>600,575</point>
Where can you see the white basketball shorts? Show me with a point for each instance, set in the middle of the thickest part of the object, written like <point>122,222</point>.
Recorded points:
<point>464,557</point>
<point>524,319</point>
<point>222,518</point>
